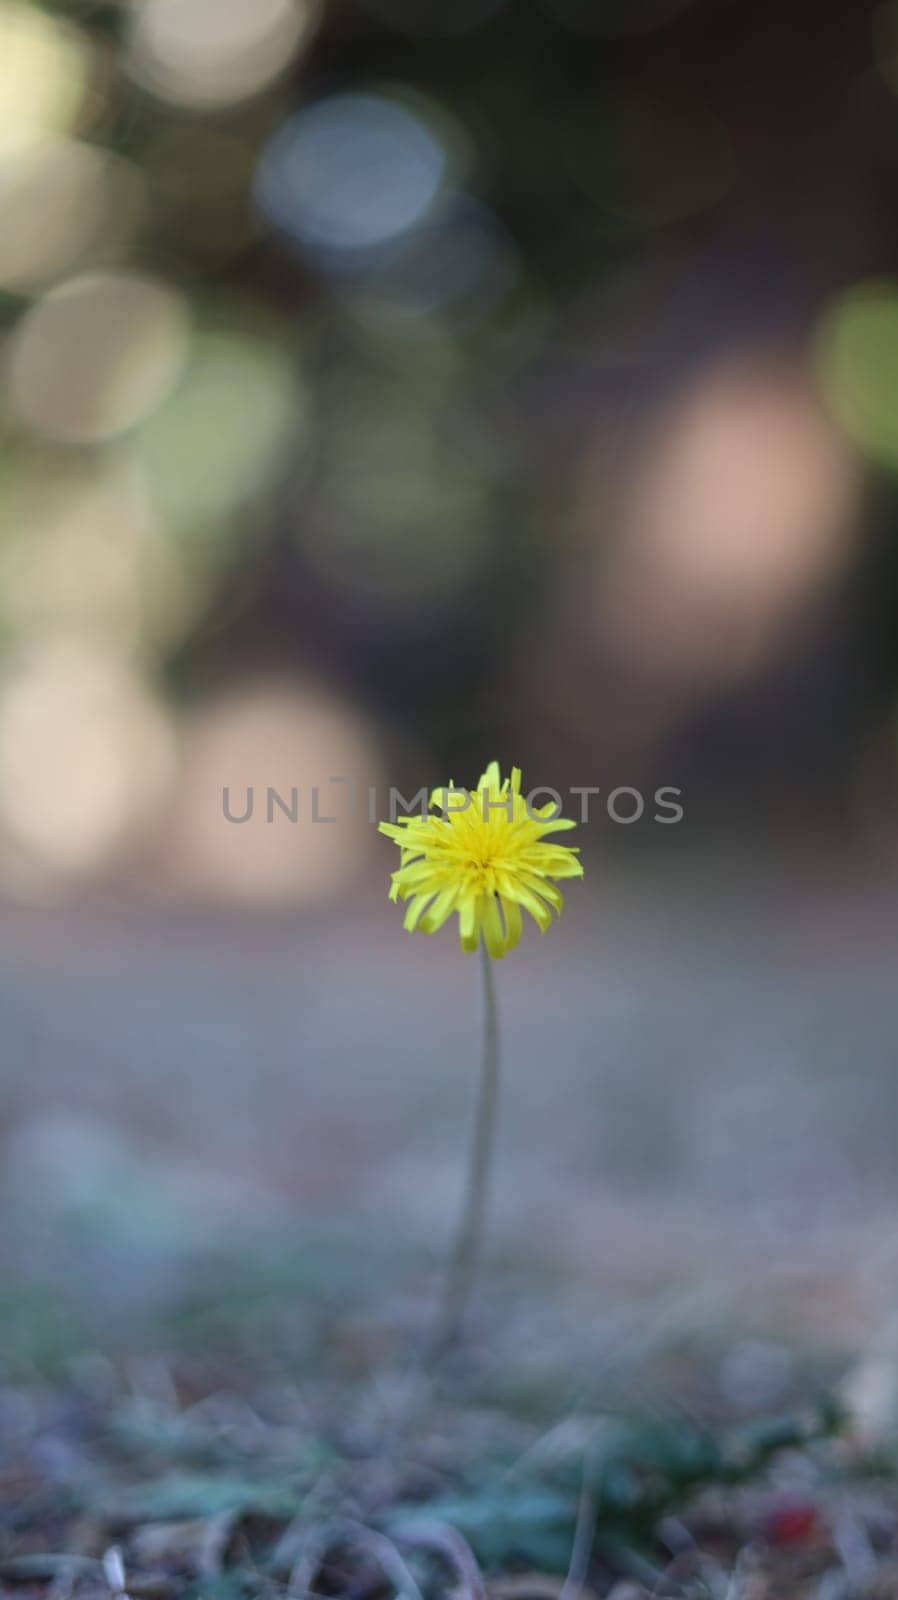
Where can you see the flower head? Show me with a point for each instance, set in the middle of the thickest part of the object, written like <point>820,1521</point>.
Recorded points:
<point>486,857</point>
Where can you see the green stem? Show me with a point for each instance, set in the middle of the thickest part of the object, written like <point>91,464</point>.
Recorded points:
<point>466,1248</point>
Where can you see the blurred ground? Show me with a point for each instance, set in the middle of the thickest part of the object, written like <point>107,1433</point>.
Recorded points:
<point>699,1094</point>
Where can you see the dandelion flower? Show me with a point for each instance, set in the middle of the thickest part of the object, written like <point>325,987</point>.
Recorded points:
<point>487,857</point>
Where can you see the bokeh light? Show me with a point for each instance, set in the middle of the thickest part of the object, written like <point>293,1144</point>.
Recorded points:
<point>279,321</point>
<point>284,735</point>
<point>97,354</point>
<point>207,54</point>
<point>858,361</point>
<point>87,755</point>
<point>224,430</point>
<point>45,73</point>
<point>82,554</point>
<point>353,173</point>
<point>741,508</point>
<point>64,205</point>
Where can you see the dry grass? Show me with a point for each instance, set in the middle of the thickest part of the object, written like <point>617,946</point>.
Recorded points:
<point>251,1451</point>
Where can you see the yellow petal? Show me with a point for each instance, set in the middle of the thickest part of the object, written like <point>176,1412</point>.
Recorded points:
<point>493,932</point>
<point>416,910</point>
<point>480,854</point>
<point>441,909</point>
<point>467,922</point>
<point>511,911</point>
<point>531,902</point>
<point>491,778</point>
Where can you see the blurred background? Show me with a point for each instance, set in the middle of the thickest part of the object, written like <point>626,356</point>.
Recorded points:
<point>387,386</point>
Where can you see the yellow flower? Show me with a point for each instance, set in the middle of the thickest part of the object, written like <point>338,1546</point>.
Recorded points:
<point>486,857</point>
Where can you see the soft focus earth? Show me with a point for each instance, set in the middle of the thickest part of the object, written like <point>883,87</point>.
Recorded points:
<point>230,1163</point>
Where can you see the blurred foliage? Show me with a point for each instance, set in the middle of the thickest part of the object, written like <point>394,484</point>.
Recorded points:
<point>633,1474</point>
<point>200,1469</point>
<point>378,314</point>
